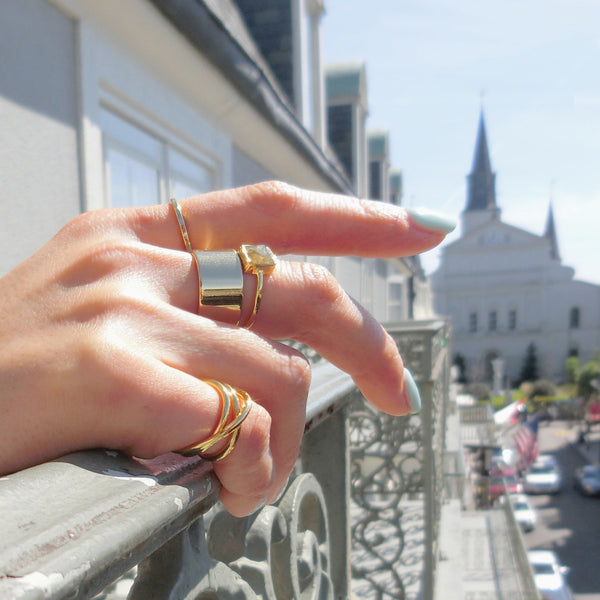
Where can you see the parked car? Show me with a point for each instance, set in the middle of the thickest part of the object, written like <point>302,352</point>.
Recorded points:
<point>543,476</point>
<point>549,575</point>
<point>525,514</point>
<point>587,480</point>
<point>499,481</point>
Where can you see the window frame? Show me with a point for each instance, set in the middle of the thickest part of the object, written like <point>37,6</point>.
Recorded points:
<point>113,78</point>
<point>163,158</point>
<point>575,317</point>
<point>473,321</point>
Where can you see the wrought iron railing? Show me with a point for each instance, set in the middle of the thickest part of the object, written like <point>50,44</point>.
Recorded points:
<point>397,476</point>
<point>99,523</point>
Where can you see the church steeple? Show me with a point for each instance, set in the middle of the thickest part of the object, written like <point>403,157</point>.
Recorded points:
<point>550,233</point>
<point>481,182</point>
<point>481,205</point>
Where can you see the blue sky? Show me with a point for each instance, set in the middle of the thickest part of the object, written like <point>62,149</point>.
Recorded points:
<point>534,66</point>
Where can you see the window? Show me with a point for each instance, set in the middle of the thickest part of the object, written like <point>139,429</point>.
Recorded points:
<point>396,301</point>
<point>574,318</point>
<point>396,292</point>
<point>367,281</point>
<point>375,180</point>
<point>142,169</point>
<point>493,320</point>
<point>473,322</point>
<point>512,319</point>
<point>341,134</point>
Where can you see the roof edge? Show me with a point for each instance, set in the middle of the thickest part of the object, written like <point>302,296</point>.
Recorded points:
<point>206,31</point>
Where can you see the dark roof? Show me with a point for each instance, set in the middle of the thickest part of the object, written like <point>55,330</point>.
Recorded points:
<point>481,189</point>
<point>481,158</point>
<point>550,233</point>
<point>270,23</point>
<point>378,145</point>
<point>217,30</point>
<point>345,80</point>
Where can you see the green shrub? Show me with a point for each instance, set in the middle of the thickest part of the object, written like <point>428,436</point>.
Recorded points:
<point>587,380</point>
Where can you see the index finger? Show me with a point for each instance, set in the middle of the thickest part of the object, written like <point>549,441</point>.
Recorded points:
<point>294,221</point>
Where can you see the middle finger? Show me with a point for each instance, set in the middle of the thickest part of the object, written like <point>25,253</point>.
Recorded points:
<point>304,302</point>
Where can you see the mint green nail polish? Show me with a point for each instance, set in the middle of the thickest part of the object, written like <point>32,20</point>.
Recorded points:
<point>412,391</point>
<point>432,220</point>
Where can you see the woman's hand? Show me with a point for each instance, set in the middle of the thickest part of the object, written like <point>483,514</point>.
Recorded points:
<point>102,344</point>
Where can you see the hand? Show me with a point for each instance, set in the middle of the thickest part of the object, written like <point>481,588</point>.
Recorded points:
<point>102,344</point>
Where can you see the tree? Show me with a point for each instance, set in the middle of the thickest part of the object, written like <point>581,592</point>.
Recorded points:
<point>572,368</point>
<point>529,371</point>
<point>588,379</point>
<point>544,388</point>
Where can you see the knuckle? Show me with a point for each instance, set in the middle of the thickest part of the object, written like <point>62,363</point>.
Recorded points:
<point>98,261</point>
<point>88,226</point>
<point>299,377</point>
<point>277,189</point>
<point>273,194</point>
<point>111,308</point>
<point>81,225</point>
<point>117,254</point>
<point>322,287</point>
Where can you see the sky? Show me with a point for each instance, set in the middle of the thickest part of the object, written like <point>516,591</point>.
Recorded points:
<point>533,66</point>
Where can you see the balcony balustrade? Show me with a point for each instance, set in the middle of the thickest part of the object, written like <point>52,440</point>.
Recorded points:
<point>361,510</point>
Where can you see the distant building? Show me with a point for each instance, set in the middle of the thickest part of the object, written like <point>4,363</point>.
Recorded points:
<point>505,288</point>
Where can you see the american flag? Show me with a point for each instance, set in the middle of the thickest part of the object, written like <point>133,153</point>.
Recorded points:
<point>525,439</point>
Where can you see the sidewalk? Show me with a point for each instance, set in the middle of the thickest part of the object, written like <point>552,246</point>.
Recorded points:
<point>481,556</point>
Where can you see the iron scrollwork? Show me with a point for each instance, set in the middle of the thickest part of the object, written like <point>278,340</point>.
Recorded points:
<point>397,477</point>
<point>283,551</point>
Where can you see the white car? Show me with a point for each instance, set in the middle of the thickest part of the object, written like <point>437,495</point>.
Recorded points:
<point>549,575</point>
<point>543,476</point>
<point>525,514</point>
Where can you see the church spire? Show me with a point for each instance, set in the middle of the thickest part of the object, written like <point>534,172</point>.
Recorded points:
<point>550,233</point>
<point>481,182</point>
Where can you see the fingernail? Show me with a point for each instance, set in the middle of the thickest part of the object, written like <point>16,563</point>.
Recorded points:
<point>432,220</point>
<point>412,391</point>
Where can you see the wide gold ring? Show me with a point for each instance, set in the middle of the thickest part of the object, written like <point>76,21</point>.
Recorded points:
<point>235,406</point>
<point>220,278</point>
<point>220,272</point>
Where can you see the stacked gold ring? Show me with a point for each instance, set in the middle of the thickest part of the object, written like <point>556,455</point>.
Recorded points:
<point>235,406</point>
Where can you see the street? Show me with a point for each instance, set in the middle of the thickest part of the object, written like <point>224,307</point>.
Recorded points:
<point>568,523</point>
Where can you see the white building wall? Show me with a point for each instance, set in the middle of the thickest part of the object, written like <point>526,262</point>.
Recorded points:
<point>39,154</point>
<point>500,268</point>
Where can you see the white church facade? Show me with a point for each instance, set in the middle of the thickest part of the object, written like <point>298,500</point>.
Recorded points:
<point>505,288</point>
